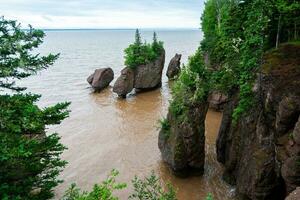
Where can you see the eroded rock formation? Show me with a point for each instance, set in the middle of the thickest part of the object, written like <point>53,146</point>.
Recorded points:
<point>143,77</point>
<point>174,67</point>
<point>101,78</point>
<point>149,76</point>
<point>182,145</point>
<point>124,83</point>
<point>217,101</point>
<point>261,151</point>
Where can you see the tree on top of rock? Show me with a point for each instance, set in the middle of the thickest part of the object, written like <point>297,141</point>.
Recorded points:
<point>157,46</point>
<point>140,53</point>
<point>138,39</point>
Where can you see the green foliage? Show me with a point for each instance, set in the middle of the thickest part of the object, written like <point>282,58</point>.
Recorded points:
<point>291,137</point>
<point>286,21</point>
<point>103,191</point>
<point>165,127</point>
<point>20,115</point>
<point>211,25</point>
<point>30,159</point>
<point>138,39</point>
<point>16,58</point>
<point>140,53</point>
<point>148,188</point>
<point>236,34</point>
<point>209,197</point>
<point>192,86</point>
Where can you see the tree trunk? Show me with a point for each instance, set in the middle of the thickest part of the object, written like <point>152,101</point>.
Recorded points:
<point>295,24</point>
<point>278,32</point>
<point>295,33</point>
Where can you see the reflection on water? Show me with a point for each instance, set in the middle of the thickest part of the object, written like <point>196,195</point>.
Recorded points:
<point>104,132</point>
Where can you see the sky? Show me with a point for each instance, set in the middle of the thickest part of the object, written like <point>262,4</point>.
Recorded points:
<point>70,14</point>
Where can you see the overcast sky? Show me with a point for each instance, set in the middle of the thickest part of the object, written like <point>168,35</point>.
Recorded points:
<point>104,13</point>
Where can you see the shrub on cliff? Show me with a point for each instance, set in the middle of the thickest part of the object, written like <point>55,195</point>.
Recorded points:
<point>29,159</point>
<point>140,53</point>
<point>193,85</point>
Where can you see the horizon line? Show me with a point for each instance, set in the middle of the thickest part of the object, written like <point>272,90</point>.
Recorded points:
<point>87,29</point>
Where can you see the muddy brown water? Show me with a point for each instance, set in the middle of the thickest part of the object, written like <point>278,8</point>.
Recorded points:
<point>122,135</point>
<point>104,132</point>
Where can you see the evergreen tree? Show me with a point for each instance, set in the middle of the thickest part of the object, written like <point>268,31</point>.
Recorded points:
<point>155,38</point>
<point>138,39</point>
<point>29,158</point>
<point>157,46</point>
<point>140,53</point>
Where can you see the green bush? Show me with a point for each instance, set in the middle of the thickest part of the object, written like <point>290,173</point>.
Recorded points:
<point>148,188</point>
<point>192,85</point>
<point>103,191</point>
<point>140,53</point>
<point>209,197</point>
<point>165,127</point>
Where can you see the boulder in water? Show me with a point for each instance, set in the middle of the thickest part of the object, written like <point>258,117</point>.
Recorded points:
<point>101,78</point>
<point>174,67</point>
<point>124,83</point>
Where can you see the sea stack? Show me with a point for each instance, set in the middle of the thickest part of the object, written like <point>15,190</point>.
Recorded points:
<point>143,77</point>
<point>146,61</point>
<point>174,67</point>
<point>182,143</point>
<point>149,76</point>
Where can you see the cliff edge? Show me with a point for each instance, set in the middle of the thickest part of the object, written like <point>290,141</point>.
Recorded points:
<point>261,151</point>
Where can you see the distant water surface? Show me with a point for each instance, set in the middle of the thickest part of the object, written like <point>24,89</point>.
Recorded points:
<point>104,132</point>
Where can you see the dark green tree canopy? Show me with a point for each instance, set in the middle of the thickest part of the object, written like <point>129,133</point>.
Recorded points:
<point>140,53</point>
<point>237,33</point>
<point>16,58</point>
<point>29,158</point>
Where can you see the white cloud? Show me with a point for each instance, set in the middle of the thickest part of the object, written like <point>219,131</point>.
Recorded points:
<point>104,13</point>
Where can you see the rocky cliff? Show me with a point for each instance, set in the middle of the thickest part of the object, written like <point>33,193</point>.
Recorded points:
<point>261,151</point>
<point>182,143</point>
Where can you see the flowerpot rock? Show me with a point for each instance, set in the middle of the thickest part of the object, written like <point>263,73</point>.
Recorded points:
<point>149,76</point>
